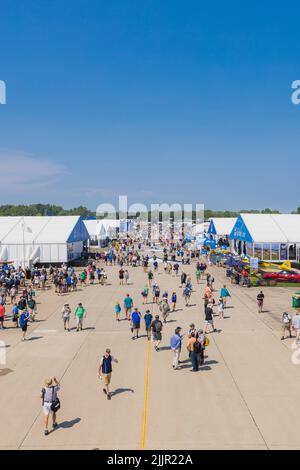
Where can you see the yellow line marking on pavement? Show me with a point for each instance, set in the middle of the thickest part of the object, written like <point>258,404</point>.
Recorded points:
<point>146,398</point>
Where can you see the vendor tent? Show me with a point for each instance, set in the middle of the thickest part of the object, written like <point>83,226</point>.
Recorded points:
<point>268,236</point>
<point>221,226</point>
<point>100,229</point>
<point>26,240</point>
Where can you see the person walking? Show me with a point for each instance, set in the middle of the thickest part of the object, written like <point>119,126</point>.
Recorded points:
<point>209,321</point>
<point>118,311</point>
<point>156,294</point>
<point>296,326</point>
<point>183,279</point>
<point>31,303</point>
<point>15,315</point>
<point>135,323</point>
<point>148,320</point>
<point>80,314</point>
<point>174,301</point>
<point>23,322</point>
<point>66,313</point>
<point>128,303</point>
<point>105,371</point>
<point>260,301</point>
<point>221,308</point>
<point>121,276</point>
<point>2,314</point>
<point>150,277</point>
<point>175,343</point>
<point>126,276</point>
<point>224,294</point>
<point>286,324</point>
<point>165,309</point>
<point>192,353</point>
<point>145,293</point>
<point>156,329</point>
<point>50,403</point>
<point>204,341</point>
<point>187,291</point>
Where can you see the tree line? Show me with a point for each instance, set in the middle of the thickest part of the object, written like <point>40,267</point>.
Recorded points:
<point>52,210</point>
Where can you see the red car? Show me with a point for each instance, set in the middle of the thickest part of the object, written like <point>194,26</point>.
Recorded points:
<point>283,276</point>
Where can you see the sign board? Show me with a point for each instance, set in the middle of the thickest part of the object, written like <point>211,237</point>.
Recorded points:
<point>254,263</point>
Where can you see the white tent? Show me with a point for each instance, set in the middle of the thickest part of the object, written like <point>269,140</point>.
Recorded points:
<point>221,226</point>
<point>269,236</point>
<point>100,229</point>
<point>24,240</point>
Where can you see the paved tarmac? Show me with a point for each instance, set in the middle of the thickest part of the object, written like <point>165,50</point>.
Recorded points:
<point>244,397</point>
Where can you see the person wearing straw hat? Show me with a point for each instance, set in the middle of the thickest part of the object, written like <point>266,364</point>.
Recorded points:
<point>51,403</point>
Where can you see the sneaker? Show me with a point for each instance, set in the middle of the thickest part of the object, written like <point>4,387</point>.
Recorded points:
<point>46,432</point>
<point>282,338</point>
<point>104,391</point>
<point>109,396</point>
<point>54,425</point>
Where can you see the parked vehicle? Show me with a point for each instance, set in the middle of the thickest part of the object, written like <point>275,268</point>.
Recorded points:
<point>282,276</point>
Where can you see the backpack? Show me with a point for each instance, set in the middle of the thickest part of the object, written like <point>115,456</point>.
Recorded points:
<point>22,322</point>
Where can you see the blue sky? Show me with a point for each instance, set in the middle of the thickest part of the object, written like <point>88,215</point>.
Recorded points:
<point>165,101</point>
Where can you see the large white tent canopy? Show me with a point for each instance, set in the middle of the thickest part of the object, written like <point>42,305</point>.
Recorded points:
<point>41,239</point>
<point>269,228</point>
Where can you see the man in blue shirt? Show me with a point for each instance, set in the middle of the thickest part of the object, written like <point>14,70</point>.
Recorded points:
<point>135,323</point>
<point>175,344</point>
<point>128,302</point>
<point>148,320</point>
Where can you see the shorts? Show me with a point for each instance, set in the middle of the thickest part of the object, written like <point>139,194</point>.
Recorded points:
<point>106,378</point>
<point>209,322</point>
<point>24,328</point>
<point>47,408</point>
<point>136,326</point>
<point>79,321</point>
<point>157,336</point>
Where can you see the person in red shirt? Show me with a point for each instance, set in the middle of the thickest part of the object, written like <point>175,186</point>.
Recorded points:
<point>2,312</point>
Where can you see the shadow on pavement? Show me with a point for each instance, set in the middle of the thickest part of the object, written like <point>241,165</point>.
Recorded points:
<point>121,390</point>
<point>69,424</point>
<point>5,372</point>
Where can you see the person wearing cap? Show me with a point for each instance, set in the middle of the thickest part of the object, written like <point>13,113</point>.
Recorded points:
<point>105,371</point>
<point>66,313</point>
<point>175,344</point>
<point>50,400</point>
<point>156,328</point>
<point>79,315</point>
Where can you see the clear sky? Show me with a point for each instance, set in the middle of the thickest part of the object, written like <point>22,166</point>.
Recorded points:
<point>165,101</point>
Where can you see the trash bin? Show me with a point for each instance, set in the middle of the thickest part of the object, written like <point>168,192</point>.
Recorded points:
<point>295,301</point>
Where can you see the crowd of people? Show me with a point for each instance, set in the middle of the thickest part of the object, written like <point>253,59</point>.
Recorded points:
<point>19,288</point>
